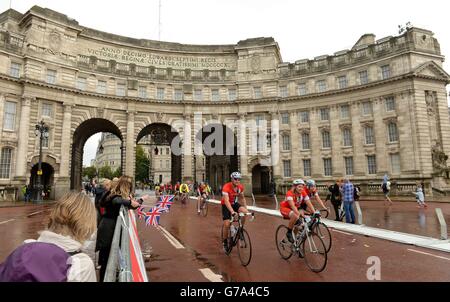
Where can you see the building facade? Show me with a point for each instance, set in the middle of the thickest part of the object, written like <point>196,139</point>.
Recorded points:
<point>108,152</point>
<point>380,107</point>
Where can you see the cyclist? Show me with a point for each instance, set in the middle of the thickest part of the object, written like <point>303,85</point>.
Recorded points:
<point>233,200</point>
<point>184,190</point>
<point>313,193</point>
<point>202,193</point>
<point>295,205</point>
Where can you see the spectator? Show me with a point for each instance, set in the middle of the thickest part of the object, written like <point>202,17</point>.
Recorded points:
<point>420,197</point>
<point>348,199</point>
<point>119,195</point>
<point>56,255</point>
<point>357,192</point>
<point>386,187</point>
<point>335,197</point>
<point>99,193</point>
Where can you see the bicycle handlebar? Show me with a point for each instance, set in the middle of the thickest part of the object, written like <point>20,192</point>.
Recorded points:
<point>242,215</point>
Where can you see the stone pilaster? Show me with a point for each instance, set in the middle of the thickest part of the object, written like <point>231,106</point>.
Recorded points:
<point>358,141</point>
<point>130,145</point>
<point>65,140</point>
<point>316,144</point>
<point>23,136</point>
<point>275,147</point>
<point>380,129</point>
<point>187,149</point>
<point>243,153</point>
<point>337,160</point>
<point>295,146</point>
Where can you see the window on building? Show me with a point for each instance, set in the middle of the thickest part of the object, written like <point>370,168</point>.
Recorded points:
<point>198,95</point>
<point>284,91</point>
<point>160,93</point>
<point>142,92</point>
<point>385,72</point>
<point>287,168</point>
<point>367,108</point>
<point>304,116</point>
<point>167,151</point>
<point>348,165</point>
<point>371,164</point>
<point>302,89</point>
<point>232,94</point>
<point>215,96</point>
<point>395,163</point>
<point>121,89</point>
<point>321,86</point>
<point>390,103</point>
<point>368,135</point>
<point>363,77</point>
<point>285,118</point>
<point>81,83</point>
<point>342,82</point>
<point>5,163</point>
<point>326,140</point>
<point>327,168</point>
<point>347,136</point>
<point>179,95</point>
<point>47,110</point>
<point>345,111</point>
<point>9,116</point>
<point>45,141</point>
<point>324,114</point>
<point>286,142</point>
<point>392,131</point>
<point>101,86</point>
<point>15,70</point>
<point>259,120</point>
<point>307,167</point>
<point>305,141</point>
<point>51,76</point>
<point>257,92</point>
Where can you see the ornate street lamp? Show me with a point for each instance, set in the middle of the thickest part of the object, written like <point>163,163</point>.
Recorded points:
<point>42,132</point>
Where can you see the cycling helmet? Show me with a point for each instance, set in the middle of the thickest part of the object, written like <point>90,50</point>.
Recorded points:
<point>298,182</point>
<point>310,183</point>
<point>236,175</point>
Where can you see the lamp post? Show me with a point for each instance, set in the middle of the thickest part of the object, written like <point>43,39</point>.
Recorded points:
<point>42,132</point>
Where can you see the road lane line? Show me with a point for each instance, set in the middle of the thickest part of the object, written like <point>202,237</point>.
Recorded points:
<point>35,213</point>
<point>170,238</point>
<point>342,232</point>
<point>209,274</point>
<point>6,221</point>
<point>424,253</point>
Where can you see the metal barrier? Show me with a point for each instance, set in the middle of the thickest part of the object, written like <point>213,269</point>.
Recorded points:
<point>119,266</point>
<point>358,209</point>
<point>276,201</point>
<point>254,201</point>
<point>442,223</point>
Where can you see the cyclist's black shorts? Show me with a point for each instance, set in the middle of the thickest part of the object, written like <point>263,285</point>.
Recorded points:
<point>303,206</point>
<point>226,215</point>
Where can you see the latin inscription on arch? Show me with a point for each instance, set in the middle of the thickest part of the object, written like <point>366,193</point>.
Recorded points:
<point>164,61</point>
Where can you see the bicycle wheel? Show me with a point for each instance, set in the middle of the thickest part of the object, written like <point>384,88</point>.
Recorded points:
<point>204,208</point>
<point>324,233</point>
<point>244,246</point>
<point>314,252</point>
<point>230,246</point>
<point>284,246</point>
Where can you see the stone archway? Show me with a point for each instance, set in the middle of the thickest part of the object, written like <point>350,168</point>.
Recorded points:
<point>85,130</point>
<point>161,136</point>
<point>219,146</point>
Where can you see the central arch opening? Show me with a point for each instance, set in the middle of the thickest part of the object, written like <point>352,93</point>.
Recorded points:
<point>83,132</point>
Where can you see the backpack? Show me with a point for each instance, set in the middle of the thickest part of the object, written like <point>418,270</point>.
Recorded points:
<point>36,262</point>
<point>384,186</point>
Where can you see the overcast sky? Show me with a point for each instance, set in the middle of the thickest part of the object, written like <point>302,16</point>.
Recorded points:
<point>303,29</point>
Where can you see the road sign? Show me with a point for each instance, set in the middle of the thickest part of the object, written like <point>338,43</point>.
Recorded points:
<point>39,172</point>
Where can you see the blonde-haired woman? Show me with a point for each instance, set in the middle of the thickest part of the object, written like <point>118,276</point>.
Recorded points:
<point>71,222</point>
<point>120,194</point>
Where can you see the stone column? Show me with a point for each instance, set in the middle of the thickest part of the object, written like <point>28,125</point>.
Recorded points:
<point>130,145</point>
<point>380,137</point>
<point>337,161</point>
<point>295,146</point>
<point>187,149</point>
<point>2,108</point>
<point>63,182</point>
<point>316,145</point>
<point>23,136</point>
<point>275,148</point>
<point>243,154</point>
<point>358,142</point>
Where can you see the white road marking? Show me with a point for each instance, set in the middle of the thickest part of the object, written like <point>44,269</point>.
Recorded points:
<point>342,232</point>
<point>6,221</point>
<point>170,238</point>
<point>35,213</point>
<point>209,274</point>
<point>424,253</point>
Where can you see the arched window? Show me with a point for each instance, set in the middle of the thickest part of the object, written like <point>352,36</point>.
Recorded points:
<point>5,163</point>
<point>392,131</point>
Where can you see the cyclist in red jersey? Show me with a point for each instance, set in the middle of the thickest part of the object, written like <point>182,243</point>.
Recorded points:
<point>232,194</point>
<point>295,205</point>
<point>312,192</point>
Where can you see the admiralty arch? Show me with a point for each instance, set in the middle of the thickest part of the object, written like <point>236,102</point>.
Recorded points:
<point>379,107</point>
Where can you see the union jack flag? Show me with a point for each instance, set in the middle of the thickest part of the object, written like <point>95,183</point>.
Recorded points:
<point>152,216</point>
<point>165,202</point>
<point>141,212</point>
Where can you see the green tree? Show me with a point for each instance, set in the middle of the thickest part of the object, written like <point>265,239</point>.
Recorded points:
<point>142,164</point>
<point>105,172</point>
<point>89,172</point>
<point>118,172</point>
